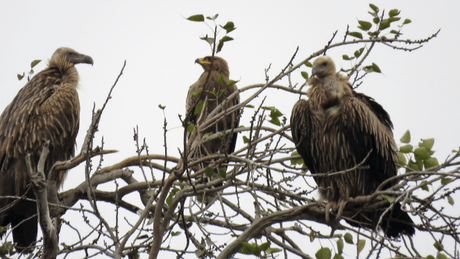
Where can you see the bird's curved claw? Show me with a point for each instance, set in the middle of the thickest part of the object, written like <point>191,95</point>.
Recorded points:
<point>341,206</point>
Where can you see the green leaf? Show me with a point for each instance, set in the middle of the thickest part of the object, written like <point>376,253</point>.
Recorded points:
<point>209,40</point>
<point>365,26</point>
<point>175,233</point>
<point>424,186</point>
<point>323,253</point>
<point>394,12</point>
<point>197,93</point>
<point>190,128</point>
<point>361,243</point>
<point>430,257</point>
<point>340,246</point>
<point>414,166</point>
<point>401,159</point>
<point>421,153</point>
<point>249,106</point>
<point>245,139</point>
<point>296,161</point>
<point>438,246</point>
<point>407,21</point>
<point>208,171</point>
<point>34,63</point>
<point>304,75</point>
<point>406,148</point>
<point>445,180</point>
<point>384,25</point>
<point>372,68</point>
<point>264,246</point>
<point>427,143</point>
<point>231,82</point>
<point>406,137</point>
<point>337,256</point>
<point>374,8</point>
<point>274,115</point>
<point>275,112</point>
<point>229,26</point>
<point>221,42</point>
<point>346,57</point>
<point>248,248</point>
<point>376,20</point>
<point>430,162</point>
<point>450,200</point>
<point>308,64</point>
<point>199,107</point>
<point>206,135</point>
<point>213,18</point>
<point>171,195</point>
<point>358,52</point>
<point>217,94</point>
<point>223,173</point>
<point>273,250</point>
<point>441,256</point>
<point>356,34</point>
<point>348,238</point>
<point>220,78</point>
<point>20,77</point>
<point>394,19</point>
<point>196,18</point>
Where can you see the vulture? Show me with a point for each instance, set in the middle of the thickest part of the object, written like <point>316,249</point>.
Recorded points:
<point>214,94</point>
<point>47,108</point>
<point>337,129</point>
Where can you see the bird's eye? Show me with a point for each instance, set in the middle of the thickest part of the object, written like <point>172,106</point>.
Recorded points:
<point>324,63</point>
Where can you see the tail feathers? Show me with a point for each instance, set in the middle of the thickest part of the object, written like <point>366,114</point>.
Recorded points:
<point>399,222</point>
<point>24,224</point>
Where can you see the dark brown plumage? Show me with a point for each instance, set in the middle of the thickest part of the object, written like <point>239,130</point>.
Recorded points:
<point>334,130</point>
<point>214,94</point>
<point>46,108</point>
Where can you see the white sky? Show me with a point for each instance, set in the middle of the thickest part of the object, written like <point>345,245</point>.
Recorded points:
<point>418,89</point>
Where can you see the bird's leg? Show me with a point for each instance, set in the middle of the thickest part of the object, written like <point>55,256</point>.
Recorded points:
<point>330,205</point>
<point>341,206</point>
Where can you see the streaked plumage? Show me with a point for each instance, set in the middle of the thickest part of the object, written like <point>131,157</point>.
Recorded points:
<point>46,108</point>
<point>334,130</point>
<point>213,67</point>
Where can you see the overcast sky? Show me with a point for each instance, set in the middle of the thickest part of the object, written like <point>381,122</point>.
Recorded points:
<point>418,89</point>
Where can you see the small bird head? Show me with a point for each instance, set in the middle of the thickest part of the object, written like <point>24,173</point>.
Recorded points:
<point>323,66</point>
<point>70,55</point>
<point>218,64</point>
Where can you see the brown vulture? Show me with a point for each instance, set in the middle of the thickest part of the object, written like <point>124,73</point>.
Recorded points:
<point>211,92</point>
<point>334,130</point>
<point>46,108</point>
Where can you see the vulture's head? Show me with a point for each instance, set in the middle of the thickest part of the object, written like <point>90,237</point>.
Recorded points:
<point>213,64</point>
<point>70,56</point>
<point>323,66</point>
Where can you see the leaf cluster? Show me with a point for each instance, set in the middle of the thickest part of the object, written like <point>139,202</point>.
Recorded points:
<point>211,40</point>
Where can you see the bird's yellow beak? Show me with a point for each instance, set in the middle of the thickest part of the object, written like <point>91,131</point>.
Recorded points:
<point>202,61</point>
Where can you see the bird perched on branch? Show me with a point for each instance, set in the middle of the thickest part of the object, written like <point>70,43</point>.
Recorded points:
<point>337,129</point>
<point>206,98</point>
<point>45,109</point>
